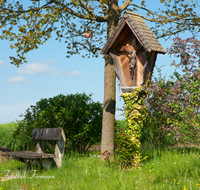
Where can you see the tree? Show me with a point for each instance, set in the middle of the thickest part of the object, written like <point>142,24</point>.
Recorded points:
<point>78,115</point>
<point>32,25</point>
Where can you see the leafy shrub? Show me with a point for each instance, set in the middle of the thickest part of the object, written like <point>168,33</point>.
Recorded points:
<point>119,124</point>
<point>174,105</point>
<point>156,128</point>
<point>78,115</point>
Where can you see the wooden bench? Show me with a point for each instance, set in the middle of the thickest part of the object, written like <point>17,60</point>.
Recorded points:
<point>40,157</point>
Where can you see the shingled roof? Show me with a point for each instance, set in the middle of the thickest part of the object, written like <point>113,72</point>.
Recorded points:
<point>139,29</point>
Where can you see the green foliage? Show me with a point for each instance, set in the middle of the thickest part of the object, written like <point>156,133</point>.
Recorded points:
<point>156,128</point>
<point>6,136</point>
<point>81,23</point>
<point>174,105</point>
<point>119,124</point>
<point>78,115</point>
<point>128,140</point>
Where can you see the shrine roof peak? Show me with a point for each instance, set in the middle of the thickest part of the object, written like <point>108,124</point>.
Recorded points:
<point>141,31</point>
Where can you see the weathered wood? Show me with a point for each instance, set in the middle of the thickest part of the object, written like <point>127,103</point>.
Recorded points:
<point>134,49</point>
<point>47,134</point>
<point>40,147</point>
<point>127,89</point>
<point>59,150</point>
<point>30,155</point>
<point>39,157</point>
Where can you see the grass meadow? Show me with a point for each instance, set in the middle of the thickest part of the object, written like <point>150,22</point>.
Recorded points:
<point>165,168</point>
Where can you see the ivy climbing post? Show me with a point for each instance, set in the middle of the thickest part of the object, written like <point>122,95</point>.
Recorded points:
<point>128,141</point>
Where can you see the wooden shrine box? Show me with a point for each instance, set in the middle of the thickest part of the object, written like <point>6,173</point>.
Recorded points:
<point>134,49</point>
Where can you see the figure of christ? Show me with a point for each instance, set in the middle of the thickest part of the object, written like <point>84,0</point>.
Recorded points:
<point>133,61</point>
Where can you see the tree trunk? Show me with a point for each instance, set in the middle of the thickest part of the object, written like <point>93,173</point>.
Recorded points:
<point>107,138</point>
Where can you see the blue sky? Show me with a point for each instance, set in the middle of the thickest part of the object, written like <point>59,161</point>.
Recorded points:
<point>49,73</point>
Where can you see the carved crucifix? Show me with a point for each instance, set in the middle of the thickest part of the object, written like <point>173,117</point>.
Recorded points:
<point>133,61</point>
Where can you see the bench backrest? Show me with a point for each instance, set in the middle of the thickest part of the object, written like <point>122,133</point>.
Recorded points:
<point>56,134</point>
<point>47,134</point>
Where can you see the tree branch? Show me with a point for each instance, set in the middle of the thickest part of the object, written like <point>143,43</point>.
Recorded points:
<point>143,9</point>
<point>125,5</point>
<point>93,16</point>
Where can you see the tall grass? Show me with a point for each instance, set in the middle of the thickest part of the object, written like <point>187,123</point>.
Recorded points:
<point>6,138</point>
<point>164,169</point>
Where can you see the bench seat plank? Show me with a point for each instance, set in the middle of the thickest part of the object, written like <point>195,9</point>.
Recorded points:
<point>30,155</point>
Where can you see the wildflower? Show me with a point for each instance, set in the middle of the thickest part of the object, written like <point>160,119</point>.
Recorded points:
<point>1,188</point>
<point>183,151</point>
<point>197,184</point>
<point>149,170</point>
<point>33,188</point>
<point>177,183</point>
<point>184,188</point>
<point>23,187</point>
<point>2,179</point>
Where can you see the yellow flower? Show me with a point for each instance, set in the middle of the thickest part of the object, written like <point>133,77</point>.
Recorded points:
<point>197,184</point>
<point>1,188</point>
<point>2,179</point>
<point>23,187</point>
<point>184,188</point>
<point>177,183</point>
<point>183,151</point>
<point>149,170</point>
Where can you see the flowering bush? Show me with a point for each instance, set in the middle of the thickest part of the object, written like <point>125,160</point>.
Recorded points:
<point>174,105</point>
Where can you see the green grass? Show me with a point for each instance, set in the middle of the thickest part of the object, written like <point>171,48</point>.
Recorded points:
<point>164,169</point>
<point>6,138</point>
<point>174,168</point>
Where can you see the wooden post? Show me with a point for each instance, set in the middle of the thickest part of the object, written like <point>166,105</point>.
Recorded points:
<point>59,150</point>
<point>40,147</point>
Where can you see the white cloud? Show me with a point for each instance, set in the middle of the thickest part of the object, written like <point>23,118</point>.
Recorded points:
<point>18,79</point>
<point>75,74</point>
<point>35,68</point>
<point>10,113</point>
<point>1,63</point>
<point>58,74</point>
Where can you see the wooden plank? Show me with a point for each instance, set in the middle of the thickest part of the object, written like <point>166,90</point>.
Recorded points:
<point>47,134</point>
<point>59,150</point>
<point>127,89</point>
<point>122,38</point>
<point>30,155</point>
<point>111,41</point>
<point>151,58</point>
<point>117,66</point>
<point>142,58</point>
